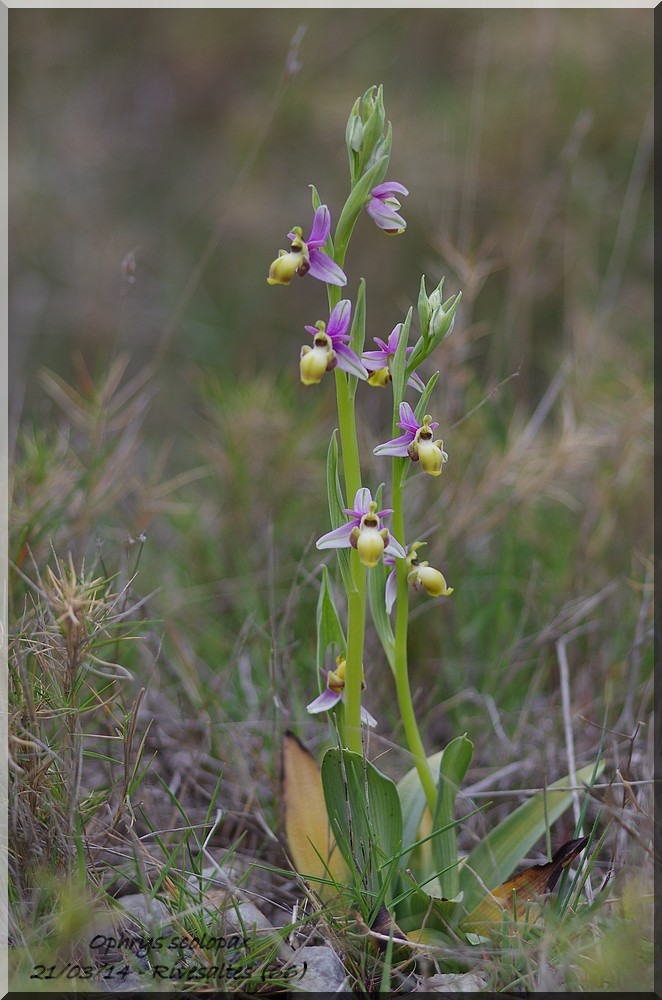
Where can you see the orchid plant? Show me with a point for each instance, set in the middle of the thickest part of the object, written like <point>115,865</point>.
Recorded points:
<point>338,347</point>
<point>378,558</point>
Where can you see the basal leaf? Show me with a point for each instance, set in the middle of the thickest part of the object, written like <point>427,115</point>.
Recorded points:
<point>413,804</point>
<point>364,813</point>
<point>452,769</point>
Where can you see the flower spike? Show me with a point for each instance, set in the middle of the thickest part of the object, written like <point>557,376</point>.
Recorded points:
<point>307,256</point>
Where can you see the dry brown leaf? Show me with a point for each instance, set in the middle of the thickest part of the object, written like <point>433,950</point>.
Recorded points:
<point>312,847</point>
<point>527,886</point>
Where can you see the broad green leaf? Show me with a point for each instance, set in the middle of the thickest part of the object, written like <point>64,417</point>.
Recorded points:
<point>493,860</point>
<point>329,629</point>
<point>430,936</point>
<point>416,907</point>
<point>312,846</point>
<point>412,802</point>
<point>364,813</point>
<point>337,506</point>
<point>452,769</point>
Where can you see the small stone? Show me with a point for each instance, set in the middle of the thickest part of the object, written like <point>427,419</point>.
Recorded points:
<point>319,970</point>
<point>453,982</point>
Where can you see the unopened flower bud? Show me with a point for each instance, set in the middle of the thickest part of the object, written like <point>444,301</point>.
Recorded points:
<point>434,298</point>
<point>354,133</point>
<point>441,322</point>
<point>378,151</point>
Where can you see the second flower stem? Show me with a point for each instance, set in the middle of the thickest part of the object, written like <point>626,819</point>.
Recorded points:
<point>402,686</point>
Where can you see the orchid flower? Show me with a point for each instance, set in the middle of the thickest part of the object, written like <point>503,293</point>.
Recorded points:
<point>416,442</point>
<point>332,694</point>
<point>306,256</point>
<point>423,575</point>
<point>379,362</point>
<point>419,574</point>
<point>363,532</point>
<point>330,347</point>
<point>383,207</point>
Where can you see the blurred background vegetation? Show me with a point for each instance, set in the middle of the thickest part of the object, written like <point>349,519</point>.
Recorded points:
<point>182,138</point>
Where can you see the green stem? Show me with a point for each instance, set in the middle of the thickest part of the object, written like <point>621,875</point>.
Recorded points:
<point>348,441</point>
<point>340,721</point>
<point>402,686</point>
<point>356,598</point>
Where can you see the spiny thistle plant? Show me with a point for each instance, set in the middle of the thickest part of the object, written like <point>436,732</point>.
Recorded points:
<point>390,852</point>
